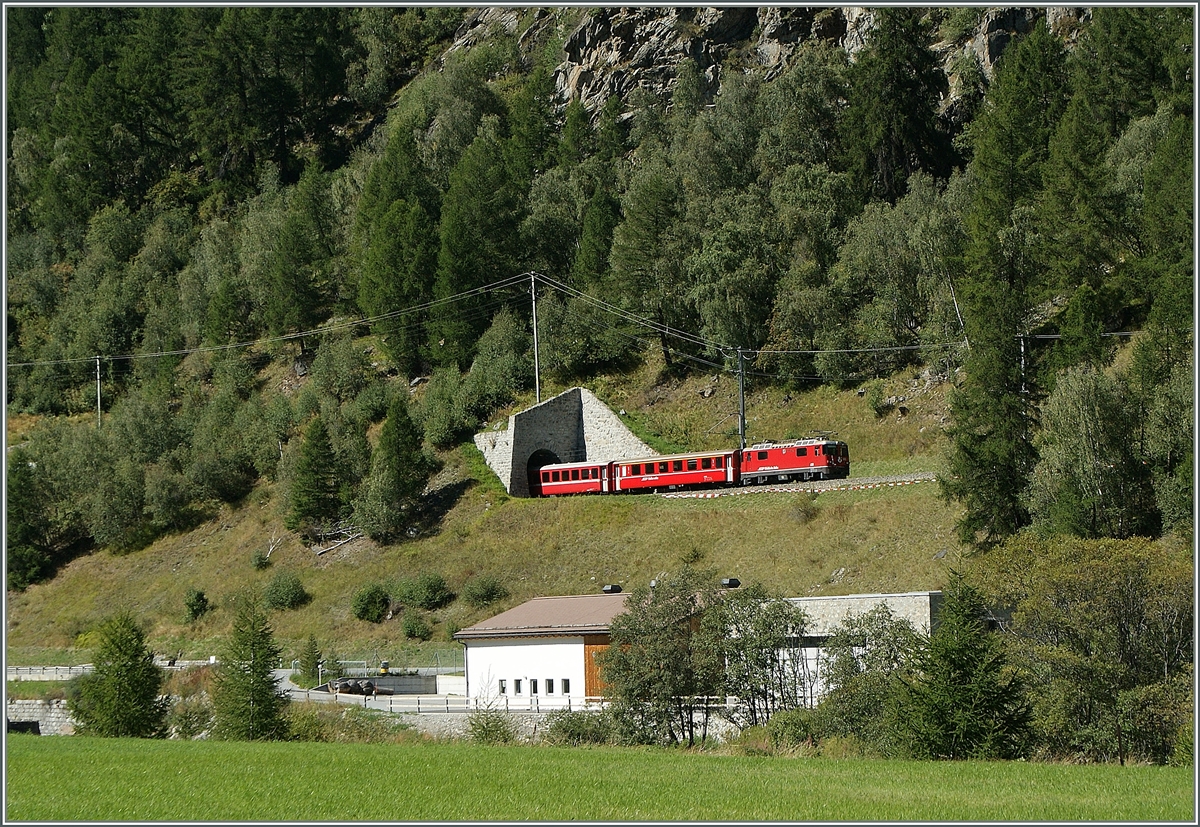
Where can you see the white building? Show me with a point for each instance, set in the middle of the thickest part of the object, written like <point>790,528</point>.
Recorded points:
<point>541,654</point>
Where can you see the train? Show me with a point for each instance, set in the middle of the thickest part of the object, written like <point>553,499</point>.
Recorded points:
<point>816,458</point>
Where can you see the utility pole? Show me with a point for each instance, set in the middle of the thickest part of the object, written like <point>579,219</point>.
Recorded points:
<point>537,374</point>
<point>97,393</point>
<point>741,398</point>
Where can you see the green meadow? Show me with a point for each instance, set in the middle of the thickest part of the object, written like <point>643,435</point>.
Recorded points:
<point>92,779</point>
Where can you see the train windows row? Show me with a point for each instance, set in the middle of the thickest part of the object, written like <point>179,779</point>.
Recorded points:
<point>703,463</point>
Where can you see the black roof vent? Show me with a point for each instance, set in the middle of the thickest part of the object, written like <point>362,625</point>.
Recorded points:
<point>611,588</point>
<point>730,583</point>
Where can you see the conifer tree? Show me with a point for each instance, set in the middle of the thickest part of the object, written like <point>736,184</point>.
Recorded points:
<point>121,697</point>
<point>890,129</point>
<point>962,703</point>
<point>247,703</point>
<point>991,453</point>
<point>478,246</point>
<point>399,472</point>
<point>310,661</point>
<point>314,489</point>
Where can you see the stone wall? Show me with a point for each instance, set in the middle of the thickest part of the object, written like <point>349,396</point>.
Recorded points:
<point>573,427</point>
<point>51,716</point>
<point>825,614</point>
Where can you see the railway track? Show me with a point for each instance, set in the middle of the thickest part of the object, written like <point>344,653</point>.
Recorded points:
<point>814,487</point>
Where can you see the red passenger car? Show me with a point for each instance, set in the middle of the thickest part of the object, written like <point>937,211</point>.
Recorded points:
<point>676,471</point>
<point>572,478</point>
<point>803,459</point>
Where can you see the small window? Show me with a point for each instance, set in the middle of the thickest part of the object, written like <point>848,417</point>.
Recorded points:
<point>545,476</point>
<point>503,687</point>
<point>554,477</point>
<point>637,468</point>
<point>533,686</point>
<point>549,686</point>
<point>762,454</point>
<point>719,462</point>
<point>691,464</point>
<point>566,686</point>
<point>517,686</point>
<point>677,465</point>
<point>801,452</point>
<point>574,473</point>
<point>706,463</point>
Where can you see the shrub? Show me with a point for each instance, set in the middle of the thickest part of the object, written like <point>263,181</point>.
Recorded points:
<point>197,605</point>
<point>344,725</point>
<point>426,591</point>
<point>572,728</point>
<point>416,627</point>
<point>790,728</point>
<point>285,591</point>
<point>484,590</point>
<point>371,603</point>
<point>190,717</point>
<point>259,560</point>
<point>490,726</point>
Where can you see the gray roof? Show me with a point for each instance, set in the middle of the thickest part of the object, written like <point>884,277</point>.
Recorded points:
<point>568,616</point>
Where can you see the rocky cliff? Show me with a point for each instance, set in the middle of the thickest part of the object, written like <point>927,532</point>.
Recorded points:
<point>613,51</point>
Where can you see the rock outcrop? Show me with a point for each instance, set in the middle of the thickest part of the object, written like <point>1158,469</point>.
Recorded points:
<point>613,51</point>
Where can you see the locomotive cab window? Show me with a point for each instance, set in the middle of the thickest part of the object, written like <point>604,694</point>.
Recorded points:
<point>801,452</point>
<point>762,454</point>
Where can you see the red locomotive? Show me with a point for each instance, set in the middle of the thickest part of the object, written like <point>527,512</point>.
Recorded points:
<point>803,459</point>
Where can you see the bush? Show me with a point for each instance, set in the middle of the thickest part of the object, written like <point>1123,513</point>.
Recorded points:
<point>790,728</point>
<point>259,560</point>
<point>371,603</point>
<point>197,605</point>
<point>572,728</point>
<point>490,726</point>
<point>416,627</point>
<point>190,717</point>
<point>344,725</point>
<point>484,590</point>
<point>426,591</point>
<point>285,591</point>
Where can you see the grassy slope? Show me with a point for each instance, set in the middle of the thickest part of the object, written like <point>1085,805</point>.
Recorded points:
<point>891,539</point>
<point>123,779</point>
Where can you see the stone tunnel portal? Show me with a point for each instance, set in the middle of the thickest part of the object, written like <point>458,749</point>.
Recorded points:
<point>540,457</point>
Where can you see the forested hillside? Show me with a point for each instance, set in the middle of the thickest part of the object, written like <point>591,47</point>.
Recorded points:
<point>242,232</point>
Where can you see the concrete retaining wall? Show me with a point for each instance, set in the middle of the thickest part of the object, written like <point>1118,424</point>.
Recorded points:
<point>51,716</point>
<point>574,426</point>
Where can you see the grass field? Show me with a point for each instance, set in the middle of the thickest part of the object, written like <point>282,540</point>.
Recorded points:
<point>71,779</point>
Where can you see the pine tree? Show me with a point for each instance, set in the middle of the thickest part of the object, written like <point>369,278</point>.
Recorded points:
<point>121,697</point>
<point>478,246</point>
<point>397,274</point>
<point>314,489</point>
<point>595,242</point>
<point>310,661</point>
<point>890,129</point>
<point>399,472</point>
<point>991,454</point>
<point>247,703</point>
<point>962,703</point>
